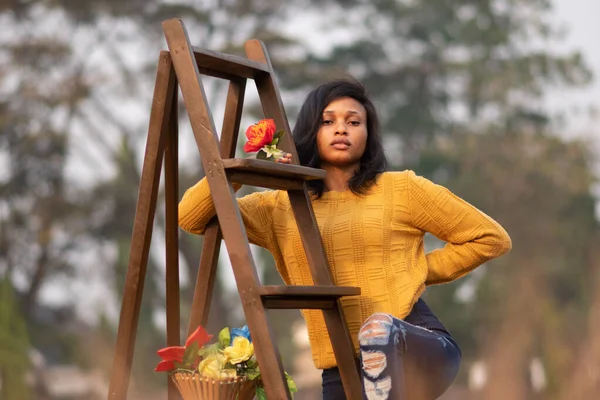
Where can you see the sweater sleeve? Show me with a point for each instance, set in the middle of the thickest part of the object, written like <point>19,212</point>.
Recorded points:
<point>196,209</point>
<point>472,237</point>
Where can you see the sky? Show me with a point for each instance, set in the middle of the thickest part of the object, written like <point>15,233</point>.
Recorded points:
<point>580,17</point>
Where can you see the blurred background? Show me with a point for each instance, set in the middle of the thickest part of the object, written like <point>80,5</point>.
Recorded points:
<point>494,99</point>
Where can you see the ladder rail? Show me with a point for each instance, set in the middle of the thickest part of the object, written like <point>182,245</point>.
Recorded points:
<point>212,236</point>
<point>227,66</point>
<point>182,65</point>
<point>226,207</point>
<point>142,228</point>
<point>343,347</point>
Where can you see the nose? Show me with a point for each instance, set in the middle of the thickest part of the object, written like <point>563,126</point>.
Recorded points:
<point>340,128</point>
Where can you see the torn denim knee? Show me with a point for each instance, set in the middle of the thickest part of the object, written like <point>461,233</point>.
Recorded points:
<point>379,389</point>
<point>373,363</point>
<point>376,330</point>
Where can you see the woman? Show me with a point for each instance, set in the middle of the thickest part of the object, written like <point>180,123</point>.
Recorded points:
<point>372,224</point>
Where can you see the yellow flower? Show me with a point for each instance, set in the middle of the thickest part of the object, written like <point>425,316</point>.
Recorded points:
<point>240,350</point>
<point>212,365</point>
<point>228,373</point>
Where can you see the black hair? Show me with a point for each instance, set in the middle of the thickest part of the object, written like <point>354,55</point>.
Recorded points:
<point>308,123</point>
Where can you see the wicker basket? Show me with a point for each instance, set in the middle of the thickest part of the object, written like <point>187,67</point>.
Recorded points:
<point>196,387</point>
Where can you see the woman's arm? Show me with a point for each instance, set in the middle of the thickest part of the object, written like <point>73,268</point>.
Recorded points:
<point>472,237</point>
<point>196,209</point>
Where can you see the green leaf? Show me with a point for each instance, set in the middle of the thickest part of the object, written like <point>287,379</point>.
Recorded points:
<point>208,350</point>
<point>252,363</point>
<point>224,337</point>
<point>260,393</point>
<point>252,374</point>
<point>261,155</point>
<point>291,384</point>
<point>278,135</point>
<point>191,353</point>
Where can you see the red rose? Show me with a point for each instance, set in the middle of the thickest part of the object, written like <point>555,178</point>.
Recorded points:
<point>259,135</point>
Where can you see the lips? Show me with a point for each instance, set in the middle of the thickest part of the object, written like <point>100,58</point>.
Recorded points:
<point>340,144</point>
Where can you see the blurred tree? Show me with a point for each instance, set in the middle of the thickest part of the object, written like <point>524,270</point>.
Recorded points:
<point>77,99</point>
<point>39,210</point>
<point>14,348</point>
<point>434,65</point>
<point>583,382</point>
<point>436,69</point>
<point>535,301</point>
<point>441,71</point>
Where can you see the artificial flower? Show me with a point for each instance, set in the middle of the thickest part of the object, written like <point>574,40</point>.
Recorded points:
<point>172,353</point>
<point>228,373</point>
<point>240,350</point>
<point>243,332</point>
<point>199,336</point>
<point>259,135</point>
<point>164,366</point>
<point>231,356</point>
<point>169,356</point>
<point>212,365</point>
<point>224,337</point>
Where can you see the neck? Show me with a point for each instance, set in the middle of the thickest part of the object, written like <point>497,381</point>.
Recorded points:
<point>337,178</point>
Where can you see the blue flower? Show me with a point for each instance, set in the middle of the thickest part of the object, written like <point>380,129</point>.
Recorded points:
<point>243,332</point>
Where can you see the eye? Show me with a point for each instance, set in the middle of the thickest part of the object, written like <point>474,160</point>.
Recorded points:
<point>354,123</point>
<point>327,122</point>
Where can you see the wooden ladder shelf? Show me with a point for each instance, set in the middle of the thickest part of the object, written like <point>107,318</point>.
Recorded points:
<point>182,65</point>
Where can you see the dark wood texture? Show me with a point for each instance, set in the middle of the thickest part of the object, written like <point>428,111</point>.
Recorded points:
<point>268,91</point>
<point>183,64</point>
<point>171,234</point>
<point>305,297</point>
<point>273,108</point>
<point>228,212</point>
<point>271,182</point>
<point>142,228</point>
<point>303,303</point>
<point>207,271</point>
<point>268,174</point>
<point>333,292</point>
<point>270,168</point>
<point>226,66</point>
<point>335,320</point>
<point>207,274</point>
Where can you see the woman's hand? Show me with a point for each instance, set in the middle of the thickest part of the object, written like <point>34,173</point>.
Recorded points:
<point>286,159</point>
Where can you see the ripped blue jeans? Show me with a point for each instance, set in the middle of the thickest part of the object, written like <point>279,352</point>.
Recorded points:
<point>411,359</point>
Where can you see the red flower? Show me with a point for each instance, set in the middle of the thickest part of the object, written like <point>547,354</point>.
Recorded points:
<point>172,354</point>
<point>259,135</point>
<point>165,366</point>
<point>199,336</point>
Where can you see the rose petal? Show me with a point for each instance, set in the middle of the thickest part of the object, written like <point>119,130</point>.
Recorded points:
<point>173,353</point>
<point>199,336</point>
<point>259,135</point>
<point>165,365</point>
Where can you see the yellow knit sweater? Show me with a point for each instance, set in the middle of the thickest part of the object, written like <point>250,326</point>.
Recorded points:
<point>373,241</point>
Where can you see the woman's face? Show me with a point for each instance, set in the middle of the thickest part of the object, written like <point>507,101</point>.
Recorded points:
<point>342,138</point>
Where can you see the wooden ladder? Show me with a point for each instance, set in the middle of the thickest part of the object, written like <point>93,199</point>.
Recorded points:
<point>182,65</point>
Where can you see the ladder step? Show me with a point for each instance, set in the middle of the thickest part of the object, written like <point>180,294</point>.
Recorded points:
<point>269,174</point>
<point>304,297</point>
<point>309,291</point>
<point>226,66</point>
